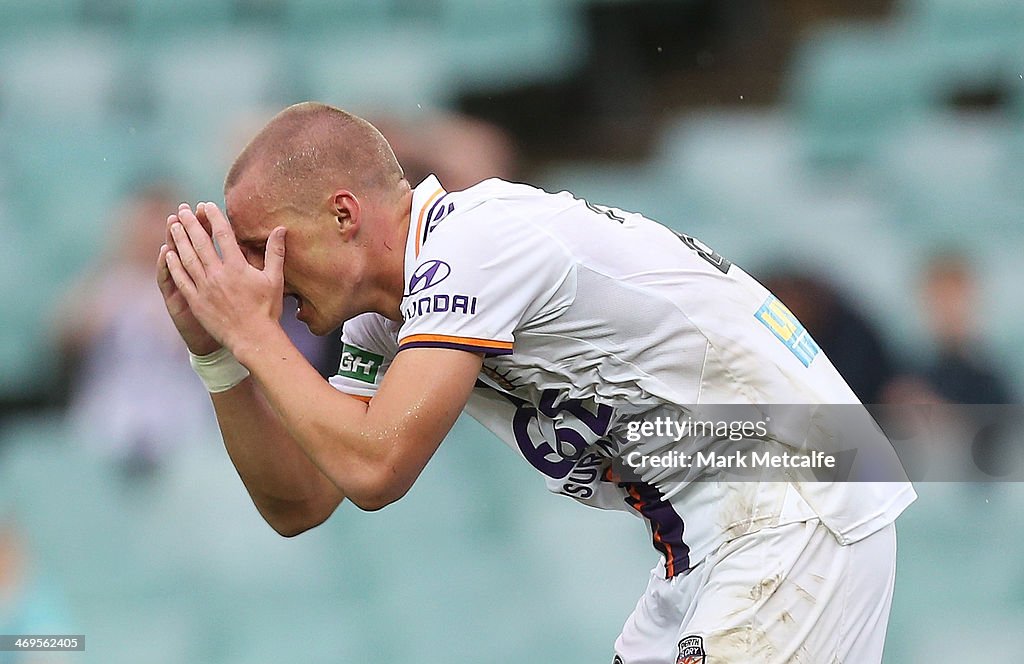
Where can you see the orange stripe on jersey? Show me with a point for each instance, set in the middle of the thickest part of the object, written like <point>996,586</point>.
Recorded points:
<point>464,341</point>
<point>638,501</point>
<point>361,398</point>
<point>419,220</point>
<point>670,562</point>
<point>653,504</point>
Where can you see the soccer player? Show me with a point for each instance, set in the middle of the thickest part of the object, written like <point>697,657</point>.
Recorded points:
<point>568,330</point>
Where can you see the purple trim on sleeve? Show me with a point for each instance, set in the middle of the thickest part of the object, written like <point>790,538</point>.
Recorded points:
<point>490,352</point>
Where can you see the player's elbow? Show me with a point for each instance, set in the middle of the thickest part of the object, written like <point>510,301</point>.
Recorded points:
<point>380,490</point>
<point>290,520</point>
<point>289,529</point>
<point>294,527</point>
<point>379,499</point>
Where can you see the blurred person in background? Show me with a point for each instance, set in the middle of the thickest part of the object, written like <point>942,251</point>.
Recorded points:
<point>130,396</point>
<point>853,343</point>
<point>29,604</point>
<point>458,149</point>
<point>959,369</point>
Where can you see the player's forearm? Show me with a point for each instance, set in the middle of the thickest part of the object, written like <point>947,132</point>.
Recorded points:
<point>286,487</point>
<point>364,457</point>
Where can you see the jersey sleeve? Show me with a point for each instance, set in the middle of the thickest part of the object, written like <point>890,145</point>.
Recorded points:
<point>369,345</point>
<point>479,278</point>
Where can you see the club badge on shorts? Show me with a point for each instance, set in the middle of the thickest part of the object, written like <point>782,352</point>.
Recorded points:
<point>691,650</point>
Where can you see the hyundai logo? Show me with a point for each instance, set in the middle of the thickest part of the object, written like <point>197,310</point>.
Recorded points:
<point>428,274</point>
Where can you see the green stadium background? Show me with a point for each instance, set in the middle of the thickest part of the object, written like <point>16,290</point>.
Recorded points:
<point>851,138</point>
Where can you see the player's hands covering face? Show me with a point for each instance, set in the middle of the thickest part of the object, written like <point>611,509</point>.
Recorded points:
<point>194,334</point>
<point>227,296</point>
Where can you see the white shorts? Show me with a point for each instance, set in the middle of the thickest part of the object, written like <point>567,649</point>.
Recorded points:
<point>785,594</point>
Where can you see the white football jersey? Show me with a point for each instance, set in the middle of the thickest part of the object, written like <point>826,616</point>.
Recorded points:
<point>591,320</point>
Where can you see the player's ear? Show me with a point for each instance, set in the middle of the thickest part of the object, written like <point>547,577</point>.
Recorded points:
<point>346,210</point>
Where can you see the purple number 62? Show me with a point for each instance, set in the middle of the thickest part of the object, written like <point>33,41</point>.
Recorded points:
<point>558,459</point>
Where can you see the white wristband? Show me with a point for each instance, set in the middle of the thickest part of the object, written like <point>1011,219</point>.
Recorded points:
<point>219,370</point>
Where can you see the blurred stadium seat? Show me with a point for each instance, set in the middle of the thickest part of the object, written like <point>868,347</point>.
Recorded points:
<point>206,77</point>
<point>159,20</point>
<point>342,18</point>
<point>61,75</point>
<point>22,15</point>
<point>849,86</point>
<point>405,78</point>
<point>500,45</point>
<point>948,178</point>
<point>966,44</point>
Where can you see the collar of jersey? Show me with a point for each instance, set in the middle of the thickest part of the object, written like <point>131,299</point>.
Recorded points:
<point>424,195</point>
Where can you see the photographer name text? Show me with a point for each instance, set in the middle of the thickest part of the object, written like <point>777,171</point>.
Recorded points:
<point>737,459</point>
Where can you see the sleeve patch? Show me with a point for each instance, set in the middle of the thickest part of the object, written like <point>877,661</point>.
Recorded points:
<point>774,315</point>
<point>360,364</point>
